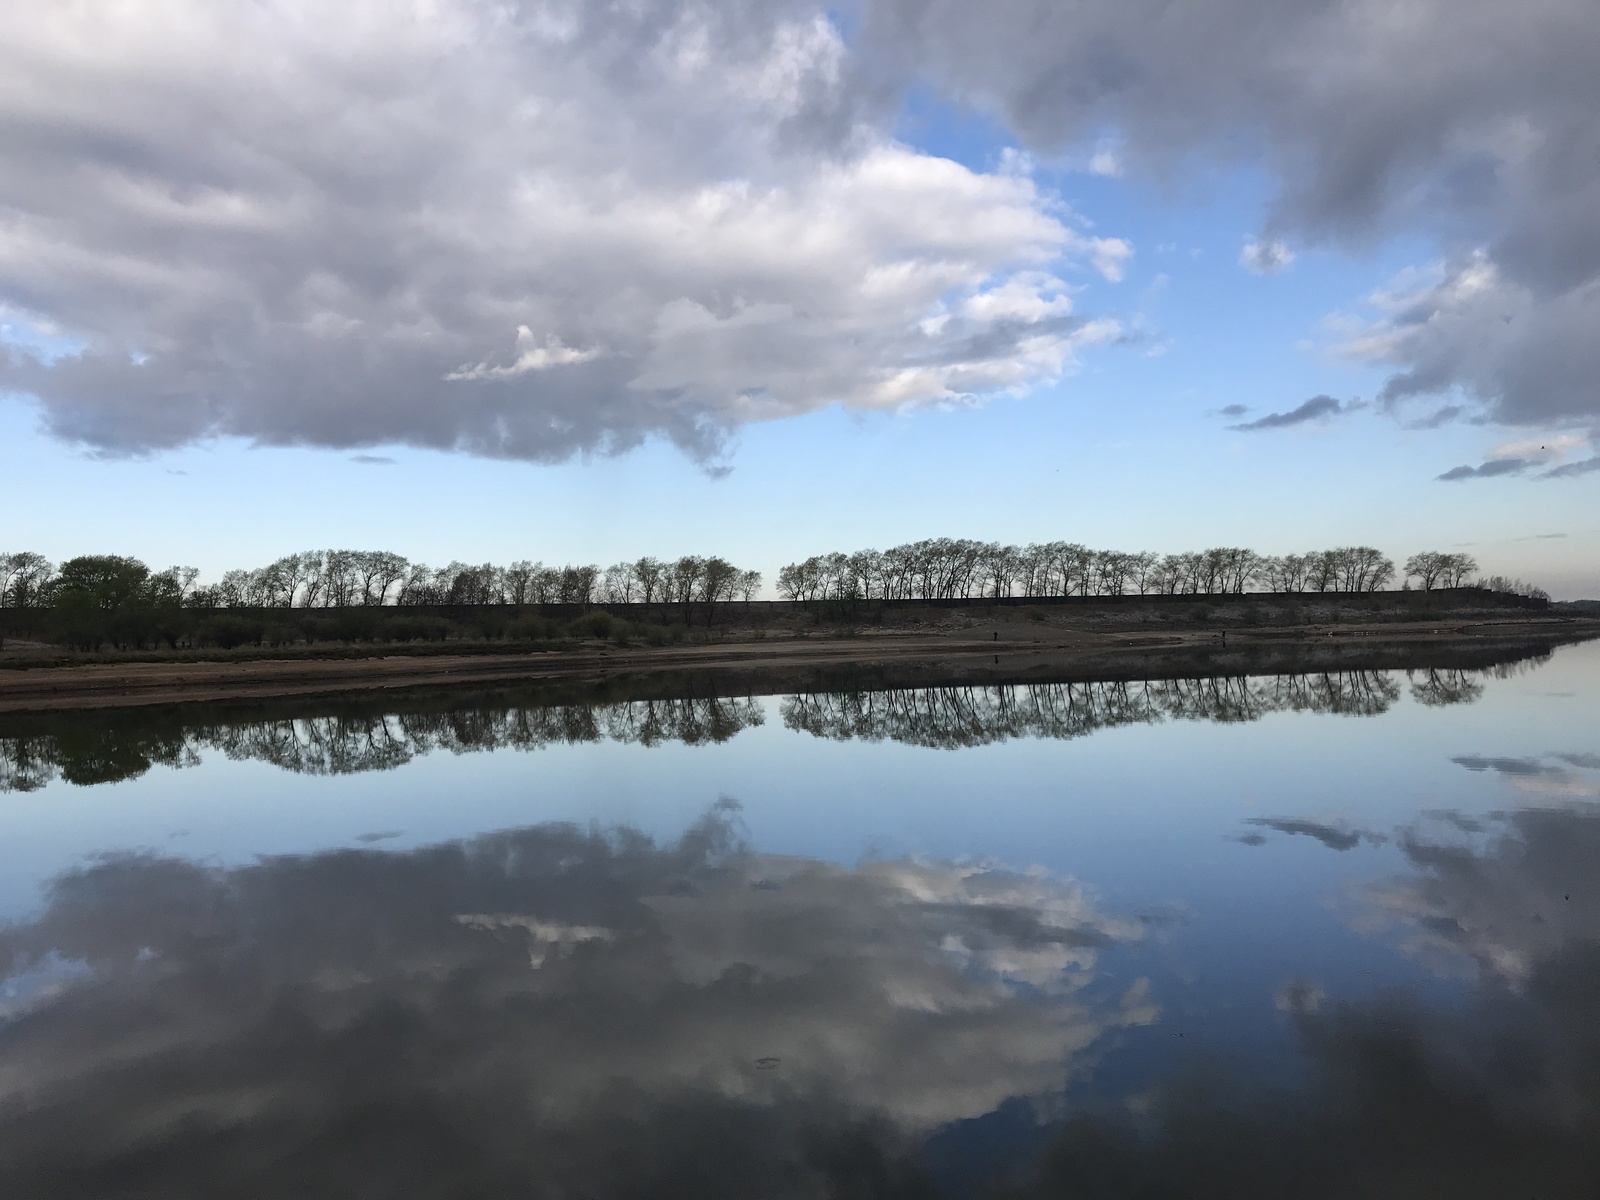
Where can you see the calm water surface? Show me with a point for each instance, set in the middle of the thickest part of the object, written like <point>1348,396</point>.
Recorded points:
<point>1330,935</point>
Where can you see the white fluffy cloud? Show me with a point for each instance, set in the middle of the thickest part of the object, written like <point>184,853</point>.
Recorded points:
<point>519,229</point>
<point>1265,256</point>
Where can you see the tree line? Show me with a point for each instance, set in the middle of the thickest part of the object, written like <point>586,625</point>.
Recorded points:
<point>935,569</point>
<point>366,578</point>
<point>960,569</point>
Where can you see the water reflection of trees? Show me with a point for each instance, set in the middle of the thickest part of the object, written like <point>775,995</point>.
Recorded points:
<point>85,751</point>
<point>345,743</point>
<point>975,716</point>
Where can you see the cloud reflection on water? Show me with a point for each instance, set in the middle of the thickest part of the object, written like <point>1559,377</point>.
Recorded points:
<point>576,1012</point>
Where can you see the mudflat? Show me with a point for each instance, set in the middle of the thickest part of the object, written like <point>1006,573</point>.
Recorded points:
<point>1002,651</point>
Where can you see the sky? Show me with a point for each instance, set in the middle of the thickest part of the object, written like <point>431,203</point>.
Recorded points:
<point>586,281</point>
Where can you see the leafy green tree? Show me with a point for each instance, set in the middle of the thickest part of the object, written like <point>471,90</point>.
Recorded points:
<point>105,581</point>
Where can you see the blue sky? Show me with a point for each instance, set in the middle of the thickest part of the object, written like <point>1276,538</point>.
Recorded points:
<point>1115,438</point>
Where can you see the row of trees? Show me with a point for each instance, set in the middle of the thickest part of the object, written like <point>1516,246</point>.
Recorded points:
<point>937,569</point>
<point>363,578</point>
<point>958,569</point>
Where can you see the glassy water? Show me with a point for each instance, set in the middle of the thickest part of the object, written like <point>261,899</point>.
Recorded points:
<point>1299,935</point>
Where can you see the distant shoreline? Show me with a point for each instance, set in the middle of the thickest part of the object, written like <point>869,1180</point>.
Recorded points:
<point>971,653</point>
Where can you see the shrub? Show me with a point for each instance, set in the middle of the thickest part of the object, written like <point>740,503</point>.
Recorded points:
<point>532,627</point>
<point>592,625</point>
<point>227,632</point>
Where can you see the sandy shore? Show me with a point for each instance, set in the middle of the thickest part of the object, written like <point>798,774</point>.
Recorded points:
<point>981,653</point>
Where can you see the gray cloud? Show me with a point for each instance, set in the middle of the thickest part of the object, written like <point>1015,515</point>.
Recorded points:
<point>525,229</point>
<point>1586,466</point>
<point>579,1013</point>
<point>1489,470</point>
<point>1522,899</point>
<point>1334,837</point>
<point>372,460</point>
<point>1438,418</point>
<point>1265,257</point>
<point>1233,410</point>
<point>1582,759</point>
<point>1501,765</point>
<point>1496,157</point>
<point>1313,409</point>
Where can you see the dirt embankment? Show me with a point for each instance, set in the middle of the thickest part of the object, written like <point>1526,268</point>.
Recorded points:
<point>963,652</point>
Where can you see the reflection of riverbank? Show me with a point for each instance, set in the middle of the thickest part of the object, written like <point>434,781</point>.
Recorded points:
<point>961,651</point>
<point>973,716</point>
<point>346,743</point>
<point>384,733</point>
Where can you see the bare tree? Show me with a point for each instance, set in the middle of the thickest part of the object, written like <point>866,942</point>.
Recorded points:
<point>647,573</point>
<point>1427,568</point>
<point>27,579</point>
<point>618,583</point>
<point>1459,568</point>
<point>519,582</point>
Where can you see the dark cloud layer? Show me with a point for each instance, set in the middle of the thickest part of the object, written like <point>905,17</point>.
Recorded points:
<point>1468,121</point>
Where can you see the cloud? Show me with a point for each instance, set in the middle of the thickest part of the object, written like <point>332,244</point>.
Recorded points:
<point>524,230</point>
<point>1533,778</point>
<point>372,460</point>
<point>1541,448</point>
<point>1314,409</point>
<point>1586,467</point>
<point>1488,470</point>
<point>590,1011</point>
<point>1582,759</point>
<point>1105,162</point>
<point>1334,837</point>
<point>1233,410</point>
<point>1517,458</point>
<point>1265,257</point>
<point>1501,766</point>
<point>1495,159</point>
<point>1438,418</point>
<point>1510,906</point>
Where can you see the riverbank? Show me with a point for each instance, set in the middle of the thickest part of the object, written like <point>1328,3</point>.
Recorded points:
<point>965,651</point>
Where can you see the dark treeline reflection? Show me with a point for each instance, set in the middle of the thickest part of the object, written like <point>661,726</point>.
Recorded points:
<point>88,749</point>
<point>82,751</point>
<point>550,1013</point>
<point>975,716</point>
